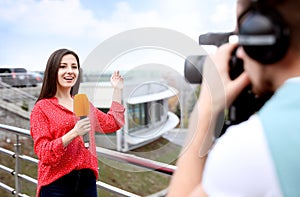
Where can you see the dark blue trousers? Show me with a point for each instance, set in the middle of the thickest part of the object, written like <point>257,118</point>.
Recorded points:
<point>78,183</point>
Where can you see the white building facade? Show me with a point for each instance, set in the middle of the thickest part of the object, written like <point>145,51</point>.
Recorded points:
<point>147,115</point>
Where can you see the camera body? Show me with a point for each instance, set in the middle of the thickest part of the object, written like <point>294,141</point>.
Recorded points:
<point>246,103</point>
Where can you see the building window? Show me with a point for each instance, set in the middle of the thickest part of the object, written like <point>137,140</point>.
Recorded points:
<point>137,116</point>
<point>158,111</point>
<point>145,115</point>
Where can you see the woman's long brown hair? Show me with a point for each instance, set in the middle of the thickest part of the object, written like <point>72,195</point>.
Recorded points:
<point>49,87</point>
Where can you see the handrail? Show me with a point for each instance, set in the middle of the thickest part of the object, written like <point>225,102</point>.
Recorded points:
<point>110,154</point>
<point>16,130</point>
<point>137,161</point>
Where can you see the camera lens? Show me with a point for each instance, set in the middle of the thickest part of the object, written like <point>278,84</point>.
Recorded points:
<point>193,67</point>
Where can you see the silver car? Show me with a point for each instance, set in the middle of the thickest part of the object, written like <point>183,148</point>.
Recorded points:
<point>16,77</point>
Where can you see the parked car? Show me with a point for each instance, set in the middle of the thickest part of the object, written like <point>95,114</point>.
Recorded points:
<point>16,77</point>
<point>35,77</point>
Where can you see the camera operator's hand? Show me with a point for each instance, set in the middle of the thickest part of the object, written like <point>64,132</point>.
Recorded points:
<point>219,88</point>
<point>217,92</point>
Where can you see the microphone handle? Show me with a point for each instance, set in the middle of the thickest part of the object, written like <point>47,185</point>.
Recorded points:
<point>86,137</point>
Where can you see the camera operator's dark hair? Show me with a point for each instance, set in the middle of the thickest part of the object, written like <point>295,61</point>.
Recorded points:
<point>49,86</point>
<point>290,10</point>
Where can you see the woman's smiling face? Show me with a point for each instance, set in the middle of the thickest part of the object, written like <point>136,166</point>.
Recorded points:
<point>68,72</point>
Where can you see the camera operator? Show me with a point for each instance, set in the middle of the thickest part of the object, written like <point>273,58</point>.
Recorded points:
<point>258,157</point>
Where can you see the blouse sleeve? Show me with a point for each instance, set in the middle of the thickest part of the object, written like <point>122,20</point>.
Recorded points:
<point>113,120</point>
<point>48,149</point>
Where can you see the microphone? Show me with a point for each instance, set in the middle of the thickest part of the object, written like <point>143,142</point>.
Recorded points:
<point>82,110</point>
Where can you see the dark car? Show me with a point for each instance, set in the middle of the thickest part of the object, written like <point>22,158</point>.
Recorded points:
<point>35,77</point>
<point>16,77</point>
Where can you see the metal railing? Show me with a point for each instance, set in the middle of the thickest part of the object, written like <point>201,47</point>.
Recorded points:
<point>109,154</point>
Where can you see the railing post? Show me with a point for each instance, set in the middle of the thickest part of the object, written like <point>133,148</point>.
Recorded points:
<point>17,166</point>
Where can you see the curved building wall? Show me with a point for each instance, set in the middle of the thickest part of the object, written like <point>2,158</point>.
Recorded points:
<point>147,115</point>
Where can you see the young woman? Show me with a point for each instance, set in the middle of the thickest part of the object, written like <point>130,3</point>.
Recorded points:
<point>66,167</point>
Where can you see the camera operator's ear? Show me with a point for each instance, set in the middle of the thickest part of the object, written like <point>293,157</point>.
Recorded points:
<point>263,34</point>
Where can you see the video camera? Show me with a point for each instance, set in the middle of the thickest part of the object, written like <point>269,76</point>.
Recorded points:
<point>246,103</point>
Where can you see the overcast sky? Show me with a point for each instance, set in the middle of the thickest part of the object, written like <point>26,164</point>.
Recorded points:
<point>31,30</point>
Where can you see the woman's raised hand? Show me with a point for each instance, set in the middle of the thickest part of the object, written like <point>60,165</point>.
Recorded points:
<point>117,80</point>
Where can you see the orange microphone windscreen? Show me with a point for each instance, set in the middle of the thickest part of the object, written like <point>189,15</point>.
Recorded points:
<point>81,105</point>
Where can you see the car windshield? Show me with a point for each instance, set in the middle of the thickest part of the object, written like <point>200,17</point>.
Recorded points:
<point>19,70</point>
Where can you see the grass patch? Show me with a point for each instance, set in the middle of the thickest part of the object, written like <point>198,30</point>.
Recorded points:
<point>137,180</point>
<point>133,179</point>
